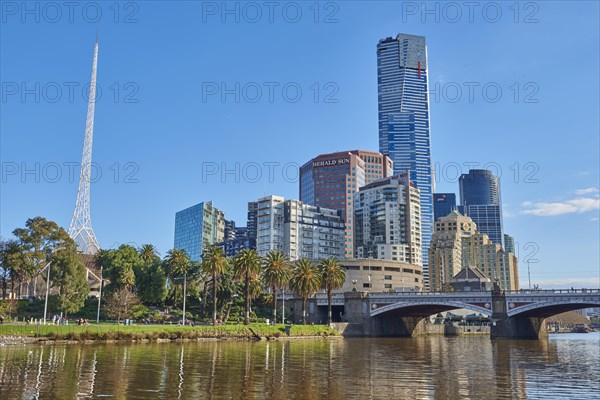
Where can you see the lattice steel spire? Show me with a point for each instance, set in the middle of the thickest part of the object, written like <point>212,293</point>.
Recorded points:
<point>81,226</point>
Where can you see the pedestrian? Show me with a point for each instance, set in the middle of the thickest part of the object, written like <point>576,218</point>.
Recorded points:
<point>1,319</point>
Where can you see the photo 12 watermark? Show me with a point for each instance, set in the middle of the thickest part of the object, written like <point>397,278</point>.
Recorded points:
<point>250,172</point>
<point>270,12</point>
<point>270,92</point>
<point>67,92</point>
<point>53,12</point>
<point>454,12</point>
<point>516,172</point>
<point>67,172</point>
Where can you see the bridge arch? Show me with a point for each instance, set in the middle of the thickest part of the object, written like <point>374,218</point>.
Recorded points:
<point>426,308</point>
<point>547,309</point>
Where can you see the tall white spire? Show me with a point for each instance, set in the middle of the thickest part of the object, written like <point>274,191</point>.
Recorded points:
<point>81,226</point>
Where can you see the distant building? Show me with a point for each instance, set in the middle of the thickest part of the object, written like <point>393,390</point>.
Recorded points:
<point>198,227</point>
<point>443,204</point>
<point>330,180</point>
<point>457,244</point>
<point>251,224</point>
<point>470,279</point>
<point>240,240</point>
<point>298,230</point>
<point>509,244</point>
<point>445,249</point>
<point>480,199</point>
<point>387,215</point>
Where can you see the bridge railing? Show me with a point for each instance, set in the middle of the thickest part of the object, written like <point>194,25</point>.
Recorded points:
<point>486,292</point>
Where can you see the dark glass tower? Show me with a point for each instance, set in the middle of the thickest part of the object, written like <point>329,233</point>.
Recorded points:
<point>404,128</point>
<point>443,204</point>
<point>480,199</point>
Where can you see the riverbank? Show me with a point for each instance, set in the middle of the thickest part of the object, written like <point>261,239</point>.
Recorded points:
<point>24,334</point>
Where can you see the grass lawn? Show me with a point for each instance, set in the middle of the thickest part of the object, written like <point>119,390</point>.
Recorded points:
<point>153,332</point>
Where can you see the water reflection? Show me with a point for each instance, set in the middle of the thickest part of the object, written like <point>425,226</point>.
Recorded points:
<point>418,368</point>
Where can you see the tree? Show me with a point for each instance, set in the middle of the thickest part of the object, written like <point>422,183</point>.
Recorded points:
<point>120,304</point>
<point>150,276</point>
<point>179,264</point>
<point>305,282</point>
<point>276,274</point>
<point>16,264</point>
<point>120,266</point>
<point>246,266</point>
<point>39,238</point>
<point>333,277</point>
<point>68,274</point>
<point>215,263</point>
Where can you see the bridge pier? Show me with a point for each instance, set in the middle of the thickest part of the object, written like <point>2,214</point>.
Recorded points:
<point>517,327</point>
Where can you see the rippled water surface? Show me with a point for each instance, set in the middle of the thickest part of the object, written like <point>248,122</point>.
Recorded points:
<point>562,367</point>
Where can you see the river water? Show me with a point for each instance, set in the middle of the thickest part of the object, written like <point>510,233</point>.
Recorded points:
<point>565,366</point>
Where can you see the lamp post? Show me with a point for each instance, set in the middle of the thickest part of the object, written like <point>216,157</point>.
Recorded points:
<point>99,296</point>
<point>47,292</point>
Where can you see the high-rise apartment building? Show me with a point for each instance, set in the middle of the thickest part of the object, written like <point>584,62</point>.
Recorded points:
<point>298,230</point>
<point>387,215</point>
<point>330,181</point>
<point>480,199</point>
<point>198,227</point>
<point>252,223</point>
<point>404,126</point>
<point>443,204</point>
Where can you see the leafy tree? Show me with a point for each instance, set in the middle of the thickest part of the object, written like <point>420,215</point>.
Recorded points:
<point>246,266</point>
<point>150,276</point>
<point>276,274</point>
<point>120,266</point>
<point>333,277</point>
<point>68,274</point>
<point>179,265</point>
<point>120,304</point>
<point>305,282</point>
<point>215,263</point>
<point>16,264</point>
<point>39,238</point>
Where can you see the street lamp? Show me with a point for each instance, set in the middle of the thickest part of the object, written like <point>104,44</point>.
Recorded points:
<point>99,296</point>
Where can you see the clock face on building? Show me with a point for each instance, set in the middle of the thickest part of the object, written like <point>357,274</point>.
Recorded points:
<point>465,226</point>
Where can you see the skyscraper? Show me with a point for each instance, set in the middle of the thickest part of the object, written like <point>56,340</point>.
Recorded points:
<point>480,200</point>
<point>443,204</point>
<point>387,217</point>
<point>330,180</point>
<point>198,227</point>
<point>404,127</point>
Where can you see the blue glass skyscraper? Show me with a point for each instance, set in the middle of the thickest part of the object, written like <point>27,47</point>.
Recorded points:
<point>404,129</point>
<point>198,227</point>
<point>480,200</point>
<point>443,204</point>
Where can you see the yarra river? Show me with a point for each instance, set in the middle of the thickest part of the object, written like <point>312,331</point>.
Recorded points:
<point>565,366</point>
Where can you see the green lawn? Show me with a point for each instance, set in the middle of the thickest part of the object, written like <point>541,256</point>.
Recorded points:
<point>153,332</point>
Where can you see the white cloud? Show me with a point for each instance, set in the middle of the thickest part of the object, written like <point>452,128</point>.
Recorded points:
<point>595,219</point>
<point>589,190</point>
<point>579,205</point>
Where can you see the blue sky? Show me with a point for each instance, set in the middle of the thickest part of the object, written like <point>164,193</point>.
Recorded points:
<point>167,136</point>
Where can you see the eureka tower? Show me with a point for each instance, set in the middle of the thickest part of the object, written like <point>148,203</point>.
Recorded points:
<point>404,128</point>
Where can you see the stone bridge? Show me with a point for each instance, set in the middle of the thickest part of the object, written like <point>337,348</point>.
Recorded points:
<point>514,314</point>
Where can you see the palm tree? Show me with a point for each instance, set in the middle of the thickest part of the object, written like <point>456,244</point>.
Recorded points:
<point>147,253</point>
<point>305,282</point>
<point>333,277</point>
<point>214,262</point>
<point>246,265</point>
<point>178,263</point>
<point>276,274</point>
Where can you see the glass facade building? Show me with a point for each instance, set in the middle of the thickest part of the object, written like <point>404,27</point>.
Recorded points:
<point>480,199</point>
<point>443,204</point>
<point>330,181</point>
<point>198,227</point>
<point>404,125</point>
